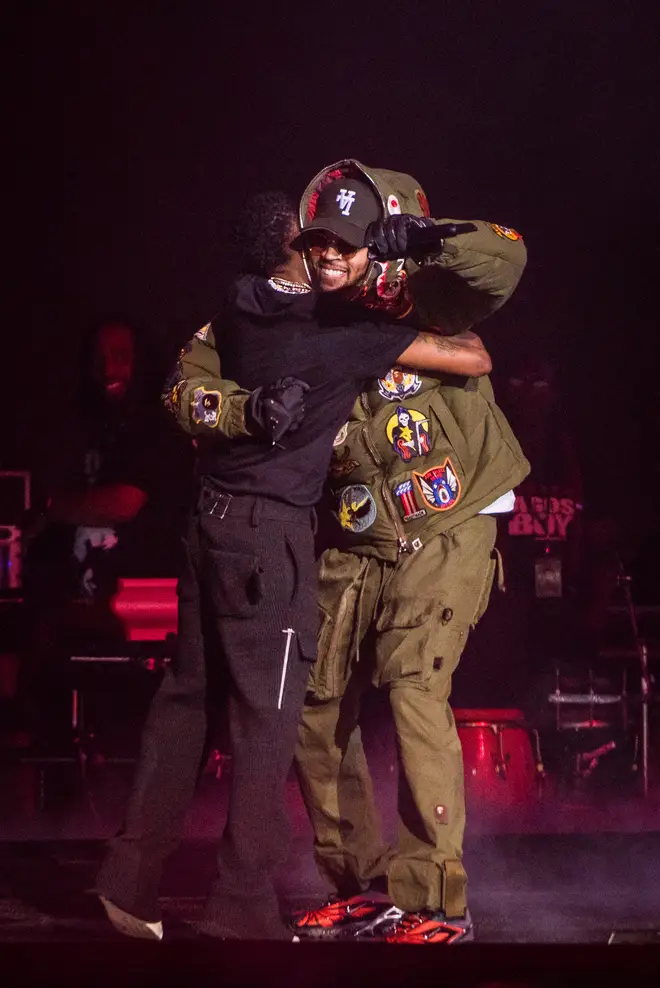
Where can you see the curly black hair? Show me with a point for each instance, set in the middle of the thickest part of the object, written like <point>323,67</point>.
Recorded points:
<point>262,231</point>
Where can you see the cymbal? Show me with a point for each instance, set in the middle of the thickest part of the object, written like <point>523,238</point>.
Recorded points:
<point>619,652</point>
<point>583,725</point>
<point>585,699</point>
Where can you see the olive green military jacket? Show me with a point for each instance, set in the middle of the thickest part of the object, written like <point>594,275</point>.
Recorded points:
<point>419,453</point>
<point>204,404</point>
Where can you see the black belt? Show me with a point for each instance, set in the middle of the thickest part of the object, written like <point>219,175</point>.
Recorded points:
<point>220,504</point>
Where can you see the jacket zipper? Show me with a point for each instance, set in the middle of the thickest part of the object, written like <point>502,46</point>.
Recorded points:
<point>404,545</point>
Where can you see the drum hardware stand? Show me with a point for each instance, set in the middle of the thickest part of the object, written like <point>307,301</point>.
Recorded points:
<point>592,758</point>
<point>540,767</point>
<point>641,647</point>
<point>500,760</point>
<point>84,738</point>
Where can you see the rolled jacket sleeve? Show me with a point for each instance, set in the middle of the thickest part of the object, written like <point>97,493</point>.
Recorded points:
<point>200,399</point>
<point>471,278</point>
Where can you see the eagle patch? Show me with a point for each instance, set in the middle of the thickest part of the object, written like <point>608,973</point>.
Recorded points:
<point>357,508</point>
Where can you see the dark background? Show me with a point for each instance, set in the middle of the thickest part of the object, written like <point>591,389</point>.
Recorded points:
<point>133,132</point>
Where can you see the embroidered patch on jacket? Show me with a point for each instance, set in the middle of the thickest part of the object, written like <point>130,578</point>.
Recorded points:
<point>341,464</point>
<point>206,407</point>
<point>357,508</point>
<point>393,205</point>
<point>409,433</point>
<point>202,333</point>
<point>399,384</point>
<point>341,435</point>
<point>423,202</point>
<point>505,231</point>
<point>440,487</point>
<point>406,494</point>
<point>392,295</point>
<point>172,398</point>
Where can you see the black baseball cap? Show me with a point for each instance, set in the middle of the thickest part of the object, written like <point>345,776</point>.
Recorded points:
<point>345,207</point>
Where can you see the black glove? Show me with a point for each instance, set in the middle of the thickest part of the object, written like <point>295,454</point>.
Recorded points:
<point>277,409</point>
<point>395,236</point>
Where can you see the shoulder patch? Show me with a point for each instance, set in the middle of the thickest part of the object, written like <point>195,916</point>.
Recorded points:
<point>505,231</point>
<point>206,407</point>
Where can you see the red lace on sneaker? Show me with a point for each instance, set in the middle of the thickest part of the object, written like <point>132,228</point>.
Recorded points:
<point>335,913</point>
<point>418,928</point>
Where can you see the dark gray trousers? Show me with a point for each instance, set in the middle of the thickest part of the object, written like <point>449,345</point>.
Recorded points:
<point>247,627</point>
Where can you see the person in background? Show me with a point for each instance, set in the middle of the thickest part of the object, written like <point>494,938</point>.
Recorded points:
<point>115,489</point>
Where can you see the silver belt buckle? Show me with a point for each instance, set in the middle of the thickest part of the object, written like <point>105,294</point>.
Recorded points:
<point>224,500</point>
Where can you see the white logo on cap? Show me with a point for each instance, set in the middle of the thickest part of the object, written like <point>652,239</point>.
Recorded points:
<point>346,198</point>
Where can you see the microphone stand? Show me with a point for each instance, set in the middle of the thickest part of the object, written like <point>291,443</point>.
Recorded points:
<point>641,647</point>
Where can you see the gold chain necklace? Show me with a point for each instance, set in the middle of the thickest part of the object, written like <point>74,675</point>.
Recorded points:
<point>290,287</point>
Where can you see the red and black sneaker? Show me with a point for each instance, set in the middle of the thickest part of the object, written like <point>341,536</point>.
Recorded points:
<point>338,917</point>
<point>430,927</point>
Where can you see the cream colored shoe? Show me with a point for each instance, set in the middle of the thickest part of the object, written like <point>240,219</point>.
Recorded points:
<point>129,925</point>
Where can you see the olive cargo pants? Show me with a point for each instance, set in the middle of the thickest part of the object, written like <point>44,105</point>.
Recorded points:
<point>400,626</point>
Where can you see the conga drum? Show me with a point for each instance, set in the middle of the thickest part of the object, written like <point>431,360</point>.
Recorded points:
<point>502,764</point>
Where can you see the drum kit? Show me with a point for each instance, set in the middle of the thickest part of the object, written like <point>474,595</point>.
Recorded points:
<point>592,728</point>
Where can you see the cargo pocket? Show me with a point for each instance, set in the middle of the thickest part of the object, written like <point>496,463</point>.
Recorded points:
<point>336,609</point>
<point>487,586</point>
<point>404,649</point>
<point>307,643</point>
<point>235,581</point>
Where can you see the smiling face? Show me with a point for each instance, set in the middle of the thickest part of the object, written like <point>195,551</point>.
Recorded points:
<point>115,359</point>
<point>335,264</point>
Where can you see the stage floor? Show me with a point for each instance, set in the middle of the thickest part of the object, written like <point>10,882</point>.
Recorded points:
<point>572,871</point>
<point>554,889</point>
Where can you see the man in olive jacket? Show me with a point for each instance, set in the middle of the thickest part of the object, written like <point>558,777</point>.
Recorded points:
<point>419,470</point>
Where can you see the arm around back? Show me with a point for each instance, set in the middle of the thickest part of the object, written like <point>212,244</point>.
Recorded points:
<point>200,399</point>
<point>463,354</point>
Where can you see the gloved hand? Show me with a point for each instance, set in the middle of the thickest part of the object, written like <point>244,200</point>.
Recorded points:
<point>277,409</point>
<point>394,236</point>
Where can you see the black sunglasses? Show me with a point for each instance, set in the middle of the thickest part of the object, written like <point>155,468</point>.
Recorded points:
<point>316,242</point>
